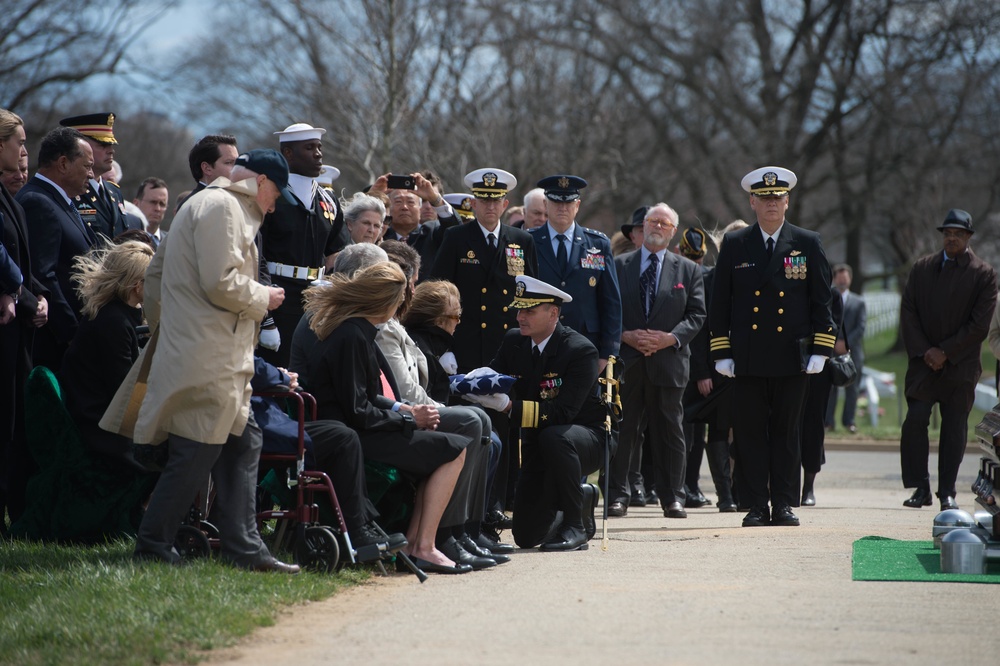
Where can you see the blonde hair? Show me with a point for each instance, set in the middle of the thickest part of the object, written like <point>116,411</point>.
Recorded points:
<point>375,291</point>
<point>429,302</point>
<point>109,272</point>
<point>9,121</point>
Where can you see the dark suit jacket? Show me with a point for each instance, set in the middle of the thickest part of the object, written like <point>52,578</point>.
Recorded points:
<point>950,308</point>
<point>96,363</point>
<point>56,237</point>
<point>853,327</point>
<point>590,278</point>
<point>426,239</point>
<point>679,308</point>
<point>566,374</point>
<point>760,311</point>
<point>486,286</point>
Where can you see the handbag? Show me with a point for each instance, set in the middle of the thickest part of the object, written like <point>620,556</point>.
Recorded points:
<point>842,370</point>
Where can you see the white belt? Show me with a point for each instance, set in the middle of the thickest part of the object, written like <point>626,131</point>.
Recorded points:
<point>295,272</point>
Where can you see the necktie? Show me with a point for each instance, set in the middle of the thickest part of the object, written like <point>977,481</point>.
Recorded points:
<point>536,355</point>
<point>770,248</point>
<point>647,285</point>
<point>493,242</point>
<point>87,231</point>
<point>561,258</point>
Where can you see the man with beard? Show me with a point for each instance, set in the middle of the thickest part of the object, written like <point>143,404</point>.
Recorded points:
<point>300,240</point>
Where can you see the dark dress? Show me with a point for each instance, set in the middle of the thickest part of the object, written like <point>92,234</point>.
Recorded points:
<point>434,341</point>
<point>345,380</point>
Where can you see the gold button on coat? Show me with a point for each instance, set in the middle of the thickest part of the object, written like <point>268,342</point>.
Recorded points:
<point>779,329</point>
<point>484,324</point>
<point>754,327</point>
<point>756,309</point>
<point>781,311</point>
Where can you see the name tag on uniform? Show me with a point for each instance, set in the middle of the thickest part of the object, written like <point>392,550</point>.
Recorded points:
<point>593,259</point>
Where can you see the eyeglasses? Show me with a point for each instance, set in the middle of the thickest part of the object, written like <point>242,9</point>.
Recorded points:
<point>663,224</point>
<point>454,317</point>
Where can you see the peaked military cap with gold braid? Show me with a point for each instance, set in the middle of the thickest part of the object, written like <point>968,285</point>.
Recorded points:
<point>97,126</point>
<point>530,292</point>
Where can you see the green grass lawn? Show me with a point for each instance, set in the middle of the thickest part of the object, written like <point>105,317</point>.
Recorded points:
<point>893,409</point>
<point>76,605</point>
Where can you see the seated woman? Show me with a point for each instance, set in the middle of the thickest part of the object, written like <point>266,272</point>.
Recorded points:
<point>364,216</point>
<point>352,384</point>
<point>110,284</point>
<point>460,525</point>
<point>430,321</point>
<point>94,490</point>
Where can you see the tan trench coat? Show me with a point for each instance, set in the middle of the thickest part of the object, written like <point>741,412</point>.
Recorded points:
<point>203,281</point>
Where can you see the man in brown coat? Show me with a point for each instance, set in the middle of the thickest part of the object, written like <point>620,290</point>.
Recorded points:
<point>945,315</point>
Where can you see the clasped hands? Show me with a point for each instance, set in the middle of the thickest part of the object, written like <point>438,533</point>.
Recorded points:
<point>426,417</point>
<point>648,341</point>
<point>935,358</point>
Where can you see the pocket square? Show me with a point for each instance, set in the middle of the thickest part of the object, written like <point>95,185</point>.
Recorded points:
<point>679,285</point>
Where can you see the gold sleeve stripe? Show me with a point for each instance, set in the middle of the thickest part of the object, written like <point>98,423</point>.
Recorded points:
<point>824,339</point>
<point>720,343</point>
<point>529,414</point>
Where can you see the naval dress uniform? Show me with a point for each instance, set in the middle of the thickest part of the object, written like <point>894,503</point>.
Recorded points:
<point>485,281</point>
<point>296,239</point>
<point>769,316</point>
<point>555,402</point>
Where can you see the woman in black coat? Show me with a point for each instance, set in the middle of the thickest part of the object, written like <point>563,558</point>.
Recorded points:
<point>352,383</point>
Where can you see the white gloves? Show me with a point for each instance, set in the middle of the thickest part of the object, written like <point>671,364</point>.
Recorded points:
<point>270,338</point>
<point>495,401</point>
<point>726,367</point>
<point>449,362</point>
<point>815,365</point>
<point>479,372</point>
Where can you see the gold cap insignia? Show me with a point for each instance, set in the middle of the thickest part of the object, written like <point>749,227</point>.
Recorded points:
<point>770,178</point>
<point>564,182</point>
<point>467,204</point>
<point>519,291</point>
<point>489,179</point>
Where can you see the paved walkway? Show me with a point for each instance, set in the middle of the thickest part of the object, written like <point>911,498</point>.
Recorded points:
<point>696,591</point>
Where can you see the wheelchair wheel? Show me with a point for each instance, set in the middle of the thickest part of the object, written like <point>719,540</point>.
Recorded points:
<point>191,543</point>
<point>209,529</point>
<point>317,549</point>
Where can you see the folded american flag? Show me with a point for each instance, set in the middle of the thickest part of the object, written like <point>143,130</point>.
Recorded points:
<point>481,381</point>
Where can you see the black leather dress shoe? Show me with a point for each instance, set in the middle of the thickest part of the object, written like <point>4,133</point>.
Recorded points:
<point>784,517</point>
<point>272,564</point>
<point>675,510</point>
<point>474,548</point>
<point>617,509</point>
<point>498,520</point>
<point>566,538</point>
<point>808,498</point>
<point>696,500</point>
<point>948,502</point>
<point>495,547</point>
<point>430,567</point>
<point>454,552</point>
<point>727,506</point>
<point>758,517</point>
<point>920,497</point>
<point>652,499</point>
<point>589,508</point>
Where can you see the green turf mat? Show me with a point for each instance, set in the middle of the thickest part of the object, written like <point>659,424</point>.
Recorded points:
<point>878,558</point>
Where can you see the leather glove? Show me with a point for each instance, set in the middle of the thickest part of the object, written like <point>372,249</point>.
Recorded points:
<point>270,338</point>
<point>449,362</point>
<point>816,364</point>
<point>495,401</point>
<point>726,367</point>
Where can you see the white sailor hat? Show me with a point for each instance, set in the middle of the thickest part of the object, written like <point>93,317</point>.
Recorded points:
<point>462,203</point>
<point>769,181</point>
<point>327,175</point>
<point>530,292</point>
<point>300,132</point>
<point>490,183</point>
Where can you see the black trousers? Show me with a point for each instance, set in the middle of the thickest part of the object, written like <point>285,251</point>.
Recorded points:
<point>554,459</point>
<point>338,453</point>
<point>813,422</point>
<point>660,408</point>
<point>767,415</point>
<point>914,445</point>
